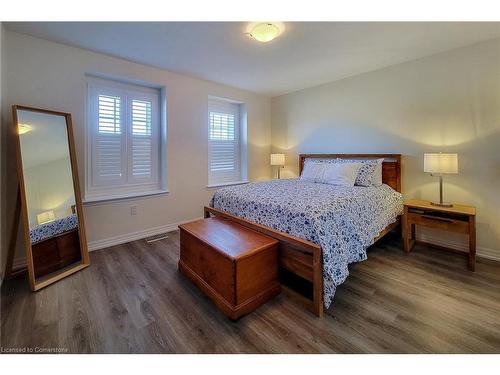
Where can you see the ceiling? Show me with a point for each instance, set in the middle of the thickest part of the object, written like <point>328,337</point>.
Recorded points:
<point>47,140</point>
<point>305,55</point>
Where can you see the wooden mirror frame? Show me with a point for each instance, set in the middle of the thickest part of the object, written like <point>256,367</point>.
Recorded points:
<point>84,262</point>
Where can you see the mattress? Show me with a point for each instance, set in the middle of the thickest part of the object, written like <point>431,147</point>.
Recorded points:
<point>48,230</point>
<point>344,221</point>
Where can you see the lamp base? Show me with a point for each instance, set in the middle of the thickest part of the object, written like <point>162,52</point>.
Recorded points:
<point>442,204</point>
<point>279,171</point>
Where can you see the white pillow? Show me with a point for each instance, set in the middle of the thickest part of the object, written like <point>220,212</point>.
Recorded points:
<point>312,172</point>
<point>377,174</point>
<point>343,174</point>
<point>370,173</point>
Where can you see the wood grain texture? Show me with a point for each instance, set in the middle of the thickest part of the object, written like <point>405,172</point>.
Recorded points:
<point>133,300</point>
<point>457,219</point>
<point>234,266</point>
<point>456,208</point>
<point>55,253</point>
<point>24,205</point>
<point>34,282</point>
<point>11,251</point>
<point>302,257</point>
<point>231,240</point>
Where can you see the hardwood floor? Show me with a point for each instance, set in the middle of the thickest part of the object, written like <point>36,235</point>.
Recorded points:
<point>132,299</point>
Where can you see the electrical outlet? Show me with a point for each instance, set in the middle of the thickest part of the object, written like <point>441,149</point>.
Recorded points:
<point>133,210</point>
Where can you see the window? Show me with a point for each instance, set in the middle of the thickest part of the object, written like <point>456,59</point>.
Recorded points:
<point>226,143</point>
<point>125,141</point>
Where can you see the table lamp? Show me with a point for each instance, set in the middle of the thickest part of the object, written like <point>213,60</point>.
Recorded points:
<point>279,161</point>
<point>438,164</point>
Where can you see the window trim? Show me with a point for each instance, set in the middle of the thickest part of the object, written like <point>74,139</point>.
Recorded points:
<point>132,190</point>
<point>214,186</point>
<point>122,197</point>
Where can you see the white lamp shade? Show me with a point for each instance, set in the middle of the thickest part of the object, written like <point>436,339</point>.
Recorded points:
<point>440,163</point>
<point>277,159</point>
<point>45,217</point>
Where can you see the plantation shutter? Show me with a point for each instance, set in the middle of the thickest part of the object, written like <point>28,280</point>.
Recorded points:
<point>142,156</point>
<point>224,143</point>
<point>108,139</point>
<point>125,140</point>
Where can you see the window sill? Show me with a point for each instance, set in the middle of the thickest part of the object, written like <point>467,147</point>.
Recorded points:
<point>91,201</point>
<point>213,186</point>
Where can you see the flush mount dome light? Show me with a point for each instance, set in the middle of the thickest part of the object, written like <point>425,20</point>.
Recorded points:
<point>265,32</point>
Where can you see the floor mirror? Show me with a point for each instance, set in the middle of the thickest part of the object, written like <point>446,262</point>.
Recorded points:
<point>51,206</point>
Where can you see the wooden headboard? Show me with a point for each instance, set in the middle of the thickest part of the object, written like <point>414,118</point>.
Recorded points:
<point>391,166</point>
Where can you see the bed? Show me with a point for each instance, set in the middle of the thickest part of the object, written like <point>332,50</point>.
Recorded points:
<point>321,228</point>
<point>53,228</point>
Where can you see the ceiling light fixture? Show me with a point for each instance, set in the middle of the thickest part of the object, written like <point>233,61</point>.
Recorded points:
<point>23,128</point>
<point>265,32</point>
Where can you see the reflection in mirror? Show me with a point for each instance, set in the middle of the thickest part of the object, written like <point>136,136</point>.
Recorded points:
<point>49,191</point>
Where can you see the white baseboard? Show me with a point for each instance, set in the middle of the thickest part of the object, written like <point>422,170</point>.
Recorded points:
<point>482,252</point>
<point>19,263</point>
<point>128,237</point>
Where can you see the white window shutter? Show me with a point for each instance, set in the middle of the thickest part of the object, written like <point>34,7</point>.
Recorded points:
<point>142,142</point>
<point>108,139</point>
<point>125,140</point>
<point>224,143</point>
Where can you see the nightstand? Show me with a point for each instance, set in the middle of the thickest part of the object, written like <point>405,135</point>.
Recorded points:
<point>458,219</point>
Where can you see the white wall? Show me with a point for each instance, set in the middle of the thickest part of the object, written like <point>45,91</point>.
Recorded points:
<point>50,75</point>
<point>49,186</point>
<point>448,102</point>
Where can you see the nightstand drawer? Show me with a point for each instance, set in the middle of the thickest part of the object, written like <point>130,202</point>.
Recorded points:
<point>448,224</point>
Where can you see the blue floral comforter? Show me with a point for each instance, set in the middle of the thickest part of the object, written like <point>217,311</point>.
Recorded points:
<point>48,230</point>
<point>343,220</point>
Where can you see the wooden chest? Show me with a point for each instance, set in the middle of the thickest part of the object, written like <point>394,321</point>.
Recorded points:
<point>55,253</point>
<point>234,266</point>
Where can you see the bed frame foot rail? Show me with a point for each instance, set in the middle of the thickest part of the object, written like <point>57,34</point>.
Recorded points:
<point>300,263</point>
